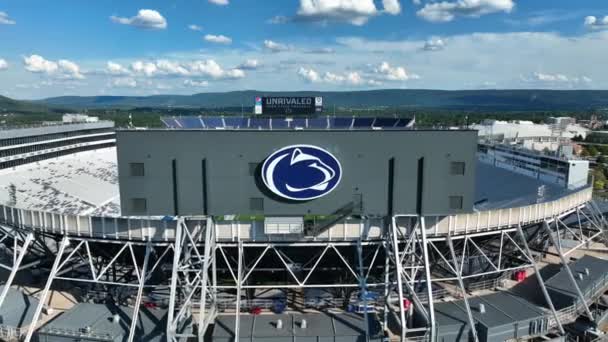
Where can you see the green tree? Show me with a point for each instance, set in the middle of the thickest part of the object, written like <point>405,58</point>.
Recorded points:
<point>599,185</point>
<point>592,151</point>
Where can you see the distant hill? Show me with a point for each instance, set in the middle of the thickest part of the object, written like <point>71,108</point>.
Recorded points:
<point>16,106</point>
<point>500,100</point>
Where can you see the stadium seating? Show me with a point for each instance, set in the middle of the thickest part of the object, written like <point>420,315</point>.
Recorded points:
<point>323,122</point>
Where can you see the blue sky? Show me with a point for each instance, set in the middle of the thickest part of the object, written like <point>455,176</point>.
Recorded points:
<point>71,47</point>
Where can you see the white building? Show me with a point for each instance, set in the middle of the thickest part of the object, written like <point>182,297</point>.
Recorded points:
<point>523,129</point>
<point>79,118</point>
<point>569,173</point>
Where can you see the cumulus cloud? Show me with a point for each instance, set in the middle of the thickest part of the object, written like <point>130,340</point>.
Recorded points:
<point>218,39</point>
<point>145,18</point>
<point>434,44</point>
<point>124,82</point>
<point>62,68</point>
<point>116,69</point>
<point>3,64</point>
<point>195,27</point>
<point>352,78</point>
<point>198,68</point>
<point>392,7</point>
<point>250,64</point>
<point>274,46</point>
<point>196,84</point>
<point>392,73</point>
<point>555,78</point>
<point>355,12</point>
<point>5,19</point>
<point>220,2</point>
<point>448,10</point>
<point>595,23</point>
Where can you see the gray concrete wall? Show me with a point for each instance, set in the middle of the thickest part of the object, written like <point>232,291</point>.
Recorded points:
<point>364,157</point>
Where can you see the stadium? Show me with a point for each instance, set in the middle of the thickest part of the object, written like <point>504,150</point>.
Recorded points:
<point>290,225</point>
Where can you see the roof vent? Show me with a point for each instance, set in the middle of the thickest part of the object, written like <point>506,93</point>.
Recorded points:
<point>279,324</point>
<point>85,330</point>
<point>587,272</point>
<point>482,308</point>
<point>303,324</point>
<point>580,276</point>
<point>115,318</point>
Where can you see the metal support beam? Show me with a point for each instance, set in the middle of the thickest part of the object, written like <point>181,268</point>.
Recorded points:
<point>30,331</point>
<point>399,276</point>
<point>209,247</point>
<point>427,274</point>
<point>142,280</point>
<point>177,252</point>
<point>239,277</point>
<point>464,292</point>
<point>16,265</point>
<point>363,287</point>
<point>540,279</point>
<point>567,268</point>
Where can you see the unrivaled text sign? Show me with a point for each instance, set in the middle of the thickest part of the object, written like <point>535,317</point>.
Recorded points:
<point>288,105</point>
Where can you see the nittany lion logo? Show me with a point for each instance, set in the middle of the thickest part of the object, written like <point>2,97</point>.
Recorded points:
<point>301,172</point>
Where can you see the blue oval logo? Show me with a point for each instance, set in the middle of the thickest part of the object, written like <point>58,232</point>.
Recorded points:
<point>301,172</point>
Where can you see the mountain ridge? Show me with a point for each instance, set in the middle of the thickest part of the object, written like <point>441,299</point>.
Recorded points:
<point>499,100</point>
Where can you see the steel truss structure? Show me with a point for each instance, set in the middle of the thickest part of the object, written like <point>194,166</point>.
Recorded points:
<point>409,263</point>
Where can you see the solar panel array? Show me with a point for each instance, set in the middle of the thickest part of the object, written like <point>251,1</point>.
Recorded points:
<point>220,122</point>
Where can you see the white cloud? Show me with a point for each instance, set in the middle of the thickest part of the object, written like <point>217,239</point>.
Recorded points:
<point>278,19</point>
<point>274,46</point>
<point>62,68</point>
<point>210,68</point>
<point>556,78</point>
<point>197,68</point>
<point>5,19</point>
<point>196,84</point>
<point>3,64</point>
<point>352,78</point>
<point>355,12</point>
<point>250,64</point>
<point>392,7</point>
<point>218,39</point>
<point>309,75</point>
<point>392,73</point>
<point>125,82</point>
<point>448,10</point>
<point>594,23</point>
<point>195,27</point>
<point>219,2</point>
<point>116,69</point>
<point>145,18</point>
<point>434,44</point>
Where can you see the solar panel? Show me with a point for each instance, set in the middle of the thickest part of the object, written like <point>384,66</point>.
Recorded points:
<point>298,123</point>
<point>279,123</point>
<point>402,122</point>
<point>169,122</point>
<point>385,122</point>
<point>363,122</point>
<point>319,123</point>
<point>340,122</point>
<point>259,123</point>
<point>190,122</point>
<point>213,122</point>
<point>232,122</point>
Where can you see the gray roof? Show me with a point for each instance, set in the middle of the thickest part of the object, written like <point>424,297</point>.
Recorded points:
<point>499,188</point>
<point>501,308</point>
<point>597,278</point>
<point>98,317</point>
<point>318,324</point>
<point>18,309</point>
